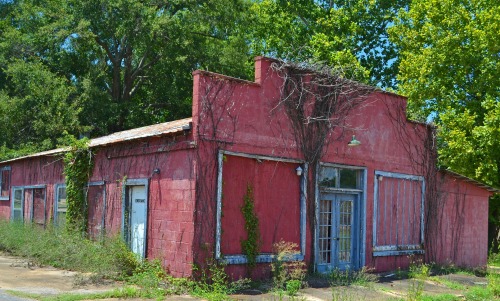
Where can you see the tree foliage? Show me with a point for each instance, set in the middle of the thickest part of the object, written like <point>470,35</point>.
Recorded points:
<point>450,71</point>
<point>352,34</point>
<point>113,65</point>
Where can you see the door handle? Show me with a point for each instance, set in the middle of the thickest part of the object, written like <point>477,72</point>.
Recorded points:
<point>336,238</point>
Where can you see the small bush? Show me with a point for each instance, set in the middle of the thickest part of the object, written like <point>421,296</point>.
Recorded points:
<point>419,272</point>
<point>213,283</point>
<point>494,284</point>
<point>285,268</point>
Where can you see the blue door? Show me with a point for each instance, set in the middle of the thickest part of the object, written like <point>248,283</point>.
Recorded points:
<point>338,227</point>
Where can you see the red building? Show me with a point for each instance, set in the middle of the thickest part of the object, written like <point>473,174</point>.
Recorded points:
<point>330,164</point>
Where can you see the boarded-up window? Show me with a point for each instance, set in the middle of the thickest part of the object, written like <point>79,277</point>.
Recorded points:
<point>38,203</point>
<point>276,191</point>
<point>4,183</point>
<point>398,219</point>
<point>96,205</point>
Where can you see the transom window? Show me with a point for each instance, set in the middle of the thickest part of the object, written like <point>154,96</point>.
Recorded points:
<point>340,178</point>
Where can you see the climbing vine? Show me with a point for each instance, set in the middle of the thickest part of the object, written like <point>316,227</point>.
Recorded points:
<point>317,101</point>
<point>78,165</point>
<point>251,245</point>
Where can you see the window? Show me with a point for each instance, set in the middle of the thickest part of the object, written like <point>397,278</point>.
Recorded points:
<point>28,203</point>
<point>60,205</point>
<point>340,178</point>
<point>17,204</point>
<point>4,183</point>
<point>398,227</point>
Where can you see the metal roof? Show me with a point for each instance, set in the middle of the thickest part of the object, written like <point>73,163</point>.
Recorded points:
<point>160,129</point>
<point>472,181</point>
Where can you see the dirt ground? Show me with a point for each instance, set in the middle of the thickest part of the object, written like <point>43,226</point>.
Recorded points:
<point>20,275</point>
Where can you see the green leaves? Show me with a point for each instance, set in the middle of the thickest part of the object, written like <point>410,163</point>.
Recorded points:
<point>449,70</point>
<point>349,34</point>
<point>36,108</point>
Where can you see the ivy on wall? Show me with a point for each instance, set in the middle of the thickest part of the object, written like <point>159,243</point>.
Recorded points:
<point>251,245</point>
<point>78,165</point>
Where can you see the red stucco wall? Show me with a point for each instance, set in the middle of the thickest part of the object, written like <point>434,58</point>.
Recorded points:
<point>461,238</point>
<point>246,117</point>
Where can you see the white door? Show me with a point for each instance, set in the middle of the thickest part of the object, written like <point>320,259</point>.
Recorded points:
<point>138,211</point>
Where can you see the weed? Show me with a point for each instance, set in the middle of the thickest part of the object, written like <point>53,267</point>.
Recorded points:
<point>448,283</point>
<point>213,283</point>
<point>494,284</point>
<point>342,294</point>
<point>348,277</point>
<point>442,297</point>
<point>288,272</point>
<point>419,272</point>
<point>478,293</point>
<point>293,286</point>
<point>494,259</point>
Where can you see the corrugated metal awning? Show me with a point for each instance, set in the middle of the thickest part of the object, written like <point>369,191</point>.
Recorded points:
<point>154,130</point>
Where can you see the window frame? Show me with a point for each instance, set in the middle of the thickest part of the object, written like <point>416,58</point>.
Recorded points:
<point>12,208</point>
<point>30,202</point>
<point>2,169</point>
<point>56,202</point>
<point>391,250</point>
<point>261,257</point>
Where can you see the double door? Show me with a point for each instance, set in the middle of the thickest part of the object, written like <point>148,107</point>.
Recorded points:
<point>338,232</point>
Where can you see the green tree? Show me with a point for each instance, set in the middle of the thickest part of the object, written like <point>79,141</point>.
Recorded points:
<point>37,110</point>
<point>450,70</point>
<point>125,63</point>
<point>352,34</point>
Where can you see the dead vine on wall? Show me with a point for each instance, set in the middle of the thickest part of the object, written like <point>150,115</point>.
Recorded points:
<point>419,142</point>
<point>317,101</point>
<point>218,115</point>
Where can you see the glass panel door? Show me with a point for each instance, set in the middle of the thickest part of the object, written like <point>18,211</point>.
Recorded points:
<point>337,226</point>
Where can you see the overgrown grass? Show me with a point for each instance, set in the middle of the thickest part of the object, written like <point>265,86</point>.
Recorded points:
<point>108,257</point>
<point>121,293</point>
